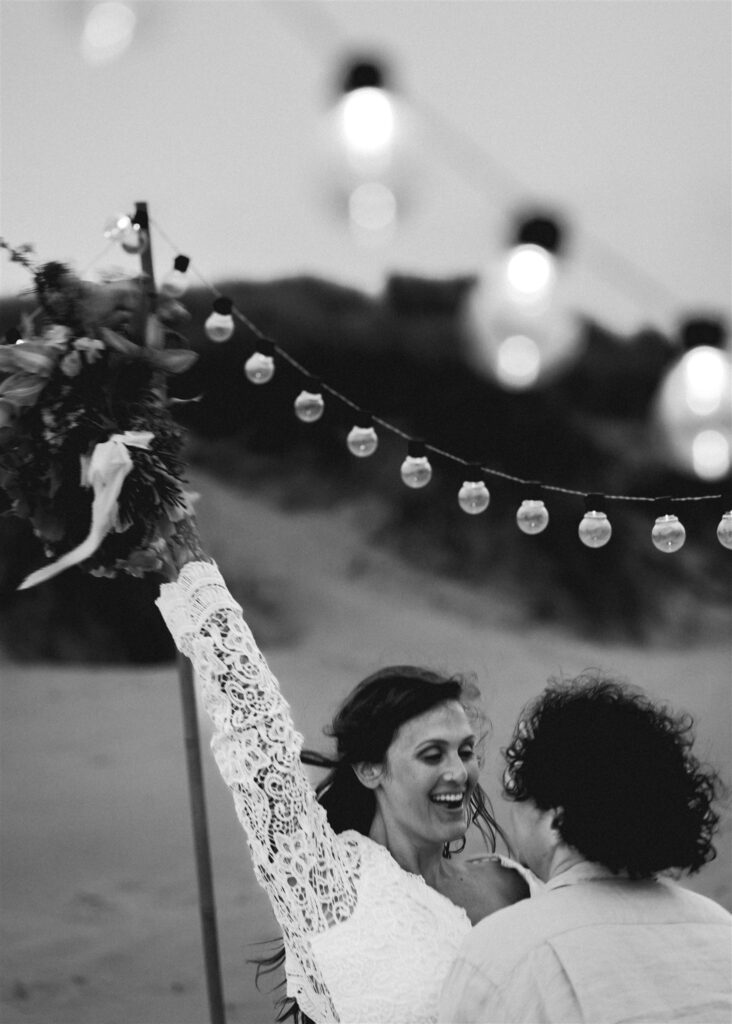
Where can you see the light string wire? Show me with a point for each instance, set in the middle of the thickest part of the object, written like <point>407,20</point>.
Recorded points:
<point>538,485</point>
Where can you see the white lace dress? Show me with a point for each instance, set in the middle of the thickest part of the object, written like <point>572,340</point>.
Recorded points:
<point>365,941</point>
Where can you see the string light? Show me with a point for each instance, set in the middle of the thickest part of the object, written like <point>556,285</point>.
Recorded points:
<point>474,497</point>
<point>595,529</point>
<point>108,31</point>
<point>532,516</point>
<point>518,328</point>
<point>366,119</point>
<point>309,405</point>
<point>694,403</point>
<point>366,149</point>
<point>219,325</point>
<point>130,232</point>
<point>116,225</point>
<point>416,470</point>
<point>362,439</point>
<point>668,533</point>
<point>175,281</point>
<point>260,366</point>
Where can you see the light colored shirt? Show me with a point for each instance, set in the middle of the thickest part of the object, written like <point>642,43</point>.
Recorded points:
<point>597,949</point>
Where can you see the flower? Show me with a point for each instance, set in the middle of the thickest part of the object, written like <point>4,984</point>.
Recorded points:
<point>91,347</point>
<point>71,364</point>
<point>72,385</point>
<point>57,337</point>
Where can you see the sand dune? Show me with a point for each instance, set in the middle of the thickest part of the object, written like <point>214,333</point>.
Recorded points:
<point>98,879</point>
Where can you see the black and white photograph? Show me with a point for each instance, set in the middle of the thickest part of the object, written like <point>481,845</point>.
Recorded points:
<point>365,511</point>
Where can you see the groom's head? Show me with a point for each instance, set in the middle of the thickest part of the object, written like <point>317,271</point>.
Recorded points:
<point>596,771</point>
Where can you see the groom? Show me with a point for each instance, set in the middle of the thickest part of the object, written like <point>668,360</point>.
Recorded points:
<point>605,794</point>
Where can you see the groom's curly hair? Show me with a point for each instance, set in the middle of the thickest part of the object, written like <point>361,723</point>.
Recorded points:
<point>619,770</point>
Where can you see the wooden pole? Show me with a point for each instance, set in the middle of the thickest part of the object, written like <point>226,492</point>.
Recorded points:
<point>191,738</point>
<point>206,901</point>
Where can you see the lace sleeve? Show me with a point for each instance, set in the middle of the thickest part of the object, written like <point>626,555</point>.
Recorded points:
<point>307,872</point>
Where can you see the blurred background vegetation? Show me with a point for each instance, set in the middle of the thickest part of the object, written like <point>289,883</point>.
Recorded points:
<point>402,356</point>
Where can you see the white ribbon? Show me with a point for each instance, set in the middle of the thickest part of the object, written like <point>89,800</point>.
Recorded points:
<point>105,471</point>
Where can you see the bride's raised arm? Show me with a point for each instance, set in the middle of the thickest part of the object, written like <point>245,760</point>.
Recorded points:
<point>308,873</point>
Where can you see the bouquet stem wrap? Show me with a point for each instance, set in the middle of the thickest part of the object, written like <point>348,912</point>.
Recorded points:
<point>104,471</point>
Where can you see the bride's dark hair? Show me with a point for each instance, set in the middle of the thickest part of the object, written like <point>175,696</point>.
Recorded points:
<point>364,728</point>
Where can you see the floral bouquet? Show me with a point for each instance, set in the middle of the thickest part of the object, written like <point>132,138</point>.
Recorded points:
<point>89,452</point>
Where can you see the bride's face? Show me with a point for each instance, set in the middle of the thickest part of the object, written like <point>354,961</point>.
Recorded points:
<point>431,769</point>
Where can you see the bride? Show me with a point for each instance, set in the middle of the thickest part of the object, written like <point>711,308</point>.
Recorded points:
<point>371,905</point>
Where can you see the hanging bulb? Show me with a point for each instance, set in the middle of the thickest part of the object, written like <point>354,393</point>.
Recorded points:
<point>115,226</point>
<point>220,324</point>
<point>260,366</point>
<point>133,239</point>
<point>595,529</point>
<point>724,530</point>
<point>474,497</point>
<point>309,404</point>
<point>520,327</point>
<point>175,281</point>
<point>668,534</point>
<point>416,470</point>
<point>366,119</point>
<point>693,406</point>
<point>109,29</point>
<point>532,516</point>
<point>369,151</point>
<point>362,439</point>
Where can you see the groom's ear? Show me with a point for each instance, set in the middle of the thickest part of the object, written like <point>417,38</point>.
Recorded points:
<point>557,820</point>
<point>369,775</point>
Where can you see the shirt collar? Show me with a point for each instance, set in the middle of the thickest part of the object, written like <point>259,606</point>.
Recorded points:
<point>582,871</point>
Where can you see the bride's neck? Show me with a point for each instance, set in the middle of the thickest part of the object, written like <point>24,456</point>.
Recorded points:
<point>419,858</point>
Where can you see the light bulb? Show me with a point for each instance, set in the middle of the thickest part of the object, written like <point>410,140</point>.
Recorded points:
<point>367,121</point>
<point>309,405</point>
<point>532,516</point>
<point>362,440</point>
<point>595,529</point>
<point>416,470</point>
<point>175,281</point>
<point>530,273</point>
<point>518,362</point>
<point>116,225</point>
<point>693,405</point>
<point>372,207</point>
<point>724,530</point>
<point>259,368</point>
<point>474,497</point>
<point>133,239</point>
<point>711,454</point>
<point>108,31</point>
<point>668,534</point>
<point>220,324</point>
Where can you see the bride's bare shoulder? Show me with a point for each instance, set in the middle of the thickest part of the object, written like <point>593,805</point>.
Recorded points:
<point>506,881</point>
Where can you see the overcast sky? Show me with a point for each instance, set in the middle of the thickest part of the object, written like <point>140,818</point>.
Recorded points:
<point>615,113</point>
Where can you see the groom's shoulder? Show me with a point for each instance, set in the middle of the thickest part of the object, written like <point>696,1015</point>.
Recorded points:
<point>512,932</point>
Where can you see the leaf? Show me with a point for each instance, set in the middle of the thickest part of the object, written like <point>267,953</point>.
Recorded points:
<point>22,388</point>
<point>174,360</point>
<point>123,345</point>
<point>29,356</point>
<point>154,336</point>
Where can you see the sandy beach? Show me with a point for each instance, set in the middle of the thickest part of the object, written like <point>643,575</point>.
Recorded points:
<point>99,902</point>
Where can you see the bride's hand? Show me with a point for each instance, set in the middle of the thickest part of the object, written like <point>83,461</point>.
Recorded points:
<point>185,547</point>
